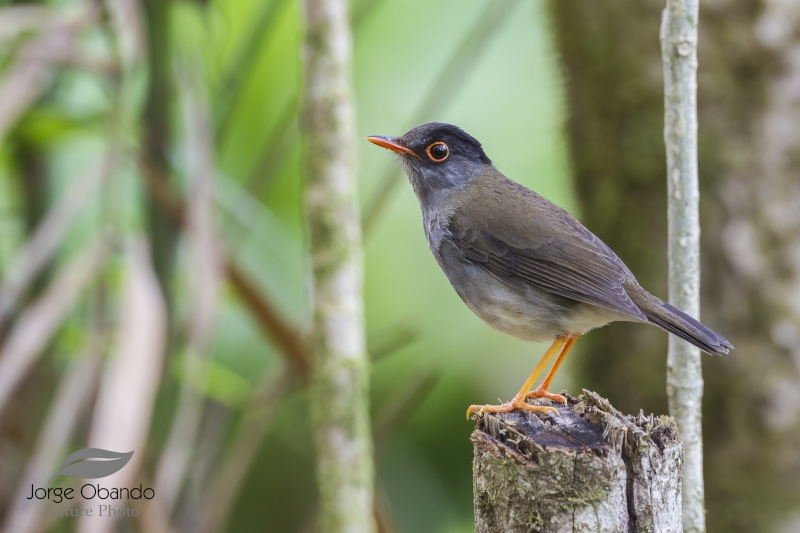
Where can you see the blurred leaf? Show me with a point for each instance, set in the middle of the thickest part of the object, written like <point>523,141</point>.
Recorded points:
<point>231,85</point>
<point>276,150</point>
<point>20,86</point>
<point>291,342</point>
<point>259,222</point>
<point>46,124</point>
<point>27,76</point>
<point>216,381</point>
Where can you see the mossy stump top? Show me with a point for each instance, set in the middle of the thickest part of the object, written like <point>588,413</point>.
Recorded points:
<point>589,469</point>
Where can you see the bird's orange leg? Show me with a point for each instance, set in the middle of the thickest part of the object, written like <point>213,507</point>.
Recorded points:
<point>518,402</point>
<point>541,390</point>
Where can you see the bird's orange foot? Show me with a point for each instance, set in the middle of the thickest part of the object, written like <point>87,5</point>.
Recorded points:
<point>507,407</point>
<point>539,392</point>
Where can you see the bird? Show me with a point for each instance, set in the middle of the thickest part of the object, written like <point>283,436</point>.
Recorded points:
<point>521,263</point>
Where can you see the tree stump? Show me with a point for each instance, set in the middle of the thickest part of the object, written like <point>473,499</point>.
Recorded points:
<point>589,469</point>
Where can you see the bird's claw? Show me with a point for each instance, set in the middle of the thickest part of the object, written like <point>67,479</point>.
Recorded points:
<point>514,404</point>
<point>541,393</point>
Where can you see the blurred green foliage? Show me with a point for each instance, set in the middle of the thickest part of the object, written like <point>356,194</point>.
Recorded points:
<point>509,98</point>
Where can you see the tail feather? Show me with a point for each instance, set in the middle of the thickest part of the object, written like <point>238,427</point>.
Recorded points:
<point>675,321</point>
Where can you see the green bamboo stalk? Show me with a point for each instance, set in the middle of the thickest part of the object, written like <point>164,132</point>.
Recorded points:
<point>684,371</point>
<point>338,392</point>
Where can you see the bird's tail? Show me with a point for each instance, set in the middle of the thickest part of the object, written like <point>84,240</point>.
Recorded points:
<point>675,321</point>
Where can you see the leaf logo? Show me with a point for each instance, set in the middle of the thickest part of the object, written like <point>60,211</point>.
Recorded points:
<point>109,462</point>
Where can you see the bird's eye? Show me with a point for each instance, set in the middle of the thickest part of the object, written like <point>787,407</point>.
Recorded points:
<point>438,152</point>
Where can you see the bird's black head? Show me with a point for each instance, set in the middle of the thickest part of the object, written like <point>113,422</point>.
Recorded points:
<point>437,156</point>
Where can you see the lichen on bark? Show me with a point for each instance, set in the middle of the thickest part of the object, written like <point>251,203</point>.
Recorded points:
<point>339,379</point>
<point>589,469</point>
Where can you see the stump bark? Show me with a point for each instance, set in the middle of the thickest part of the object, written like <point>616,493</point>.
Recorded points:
<point>589,469</point>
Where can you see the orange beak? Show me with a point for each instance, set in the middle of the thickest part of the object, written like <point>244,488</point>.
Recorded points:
<point>390,144</point>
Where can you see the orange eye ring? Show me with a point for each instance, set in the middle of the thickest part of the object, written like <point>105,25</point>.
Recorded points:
<point>434,146</point>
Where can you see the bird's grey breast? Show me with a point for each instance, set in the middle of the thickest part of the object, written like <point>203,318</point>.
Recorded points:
<point>436,213</point>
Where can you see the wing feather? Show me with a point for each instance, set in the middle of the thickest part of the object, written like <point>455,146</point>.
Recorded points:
<point>574,264</point>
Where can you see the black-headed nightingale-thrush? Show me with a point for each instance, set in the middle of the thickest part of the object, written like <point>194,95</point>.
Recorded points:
<point>521,263</point>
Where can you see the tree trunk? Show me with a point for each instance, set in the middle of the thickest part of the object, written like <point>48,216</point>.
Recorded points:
<point>590,469</point>
<point>748,144</point>
<point>340,370</point>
